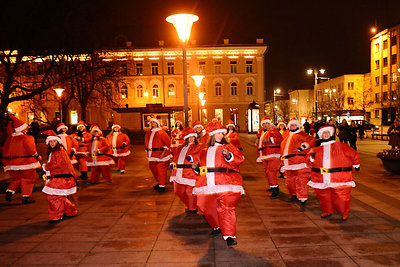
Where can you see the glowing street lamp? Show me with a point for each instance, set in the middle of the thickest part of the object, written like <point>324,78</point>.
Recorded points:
<point>316,77</point>
<point>183,25</point>
<point>197,80</point>
<point>59,92</point>
<point>276,93</point>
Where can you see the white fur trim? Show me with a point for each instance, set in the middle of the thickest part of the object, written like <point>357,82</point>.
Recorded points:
<point>95,129</point>
<point>34,165</point>
<point>261,158</point>
<point>328,185</point>
<point>52,137</point>
<point>233,125</point>
<point>356,166</point>
<point>74,161</point>
<point>181,180</point>
<point>115,125</point>
<point>223,131</point>
<point>21,128</point>
<point>226,237</point>
<point>156,121</point>
<point>330,129</point>
<point>296,122</point>
<point>198,126</point>
<point>266,121</point>
<point>82,153</point>
<point>122,154</point>
<point>294,167</point>
<point>62,127</point>
<point>158,159</point>
<point>59,192</point>
<point>190,135</point>
<point>215,189</point>
<point>99,163</point>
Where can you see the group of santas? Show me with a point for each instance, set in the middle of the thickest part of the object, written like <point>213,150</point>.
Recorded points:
<point>205,170</point>
<point>294,154</point>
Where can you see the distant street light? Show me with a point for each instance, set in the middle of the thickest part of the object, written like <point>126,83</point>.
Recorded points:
<point>59,92</point>
<point>197,80</point>
<point>276,93</point>
<point>316,77</point>
<point>183,25</point>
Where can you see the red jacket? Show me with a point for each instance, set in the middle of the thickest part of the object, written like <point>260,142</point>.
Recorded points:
<point>158,140</point>
<point>203,138</point>
<point>233,138</point>
<point>83,143</point>
<point>59,163</point>
<point>330,155</point>
<point>176,138</point>
<point>218,182</point>
<point>19,153</point>
<point>296,145</point>
<point>184,155</point>
<point>70,144</point>
<point>119,144</point>
<point>269,144</point>
<point>100,153</point>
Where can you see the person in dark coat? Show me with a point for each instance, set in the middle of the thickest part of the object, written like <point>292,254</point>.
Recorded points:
<point>361,130</point>
<point>34,129</point>
<point>343,130</point>
<point>352,135</point>
<point>307,127</point>
<point>394,134</point>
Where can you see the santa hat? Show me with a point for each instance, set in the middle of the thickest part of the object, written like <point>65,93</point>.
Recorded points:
<point>295,122</point>
<point>51,136</point>
<point>178,120</point>
<point>197,124</point>
<point>188,132</point>
<point>214,120</point>
<point>281,122</point>
<point>156,121</point>
<point>61,126</point>
<point>81,124</point>
<point>266,120</point>
<point>17,124</point>
<point>215,127</point>
<point>94,128</point>
<point>115,125</point>
<point>330,129</point>
<point>230,123</point>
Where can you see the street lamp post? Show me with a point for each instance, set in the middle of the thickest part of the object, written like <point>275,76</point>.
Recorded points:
<point>183,25</point>
<point>59,92</point>
<point>276,92</point>
<point>197,80</point>
<point>316,77</point>
<point>330,100</point>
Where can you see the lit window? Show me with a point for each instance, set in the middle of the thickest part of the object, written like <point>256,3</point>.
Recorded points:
<point>139,68</point>
<point>233,88</point>
<point>376,64</point>
<point>171,69</point>
<point>202,67</point>
<point>218,89</point>
<point>156,91</point>
<point>154,68</point>
<point>171,90</point>
<point>108,91</point>
<point>233,66</point>
<point>124,91</point>
<point>394,77</point>
<point>249,66</point>
<point>377,113</point>
<point>377,81</point>
<point>217,67</point>
<point>377,48</point>
<point>139,91</point>
<point>249,88</point>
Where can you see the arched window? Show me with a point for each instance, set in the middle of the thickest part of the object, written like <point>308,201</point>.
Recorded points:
<point>249,88</point>
<point>171,90</point>
<point>156,91</point>
<point>139,91</point>
<point>124,91</point>
<point>233,88</point>
<point>218,89</point>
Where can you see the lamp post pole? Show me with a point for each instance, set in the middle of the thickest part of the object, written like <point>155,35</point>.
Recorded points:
<point>276,91</point>
<point>59,92</point>
<point>316,93</point>
<point>185,93</point>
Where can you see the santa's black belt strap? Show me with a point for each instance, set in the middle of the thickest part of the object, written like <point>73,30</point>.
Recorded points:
<point>332,170</point>
<point>291,156</point>
<point>262,148</point>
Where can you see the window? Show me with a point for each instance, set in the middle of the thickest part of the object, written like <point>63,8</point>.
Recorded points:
<point>156,91</point>
<point>233,88</point>
<point>171,90</point>
<point>393,59</point>
<point>385,62</point>
<point>202,67</point>
<point>394,77</point>
<point>124,91</point>
<point>350,100</point>
<point>40,69</point>
<point>385,96</point>
<point>171,69</point>
<point>350,86</point>
<point>43,96</point>
<point>124,69</point>
<point>249,66</point>
<point>108,91</point>
<point>249,88</point>
<point>377,81</point>
<point>393,40</point>
<point>376,64</point>
<point>376,97</point>
<point>28,70</point>
<point>218,89</point>
<point>385,44</point>
<point>217,67</point>
<point>139,91</point>
<point>233,66</point>
<point>376,47</point>
<point>154,68</point>
<point>377,113</point>
<point>385,79</point>
<point>139,68</point>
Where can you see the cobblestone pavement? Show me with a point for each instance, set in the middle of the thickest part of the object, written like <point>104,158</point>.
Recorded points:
<point>126,223</point>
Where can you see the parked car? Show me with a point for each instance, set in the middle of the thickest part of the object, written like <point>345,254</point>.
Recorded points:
<point>367,126</point>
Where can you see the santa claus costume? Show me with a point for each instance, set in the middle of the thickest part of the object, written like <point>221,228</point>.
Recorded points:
<point>182,174</point>
<point>176,134</point>
<point>219,185</point>
<point>282,129</point>
<point>20,160</point>
<point>100,156</point>
<point>60,180</point>
<point>232,136</point>
<point>158,150</point>
<point>294,149</point>
<point>69,143</point>
<point>82,154</point>
<point>269,153</point>
<point>331,173</point>
<point>202,136</point>
<point>119,146</point>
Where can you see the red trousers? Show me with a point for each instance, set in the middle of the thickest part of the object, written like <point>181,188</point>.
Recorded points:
<point>332,199</point>
<point>82,167</point>
<point>60,205</point>
<point>159,170</point>
<point>120,161</point>
<point>220,211</point>
<point>296,182</point>
<point>184,192</point>
<point>25,179</point>
<point>104,170</point>
<point>271,168</point>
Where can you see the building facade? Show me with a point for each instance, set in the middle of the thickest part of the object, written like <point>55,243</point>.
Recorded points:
<point>301,104</point>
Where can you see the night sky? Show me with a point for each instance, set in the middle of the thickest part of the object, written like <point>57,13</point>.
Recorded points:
<point>300,34</point>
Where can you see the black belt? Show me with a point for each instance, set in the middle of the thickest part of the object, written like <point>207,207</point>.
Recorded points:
<point>178,139</point>
<point>291,156</point>
<point>180,166</point>
<point>155,149</point>
<point>117,147</point>
<point>326,170</point>
<point>240,148</point>
<point>17,157</point>
<point>204,170</point>
<point>262,148</point>
<point>60,176</point>
<point>83,145</point>
<point>100,154</point>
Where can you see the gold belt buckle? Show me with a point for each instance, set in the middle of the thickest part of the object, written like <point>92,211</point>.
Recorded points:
<point>93,154</point>
<point>114,147</point>
<point>149,149</point>
<point>283,157</point>
<point>324,171</point>
<point>44,177</point>
<point>174,166</point>
<point>203,170</point>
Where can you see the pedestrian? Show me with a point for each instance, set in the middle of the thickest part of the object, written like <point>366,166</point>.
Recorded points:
<point>331,176</point>
<point>82,153</point>
<point>157,144</point>
<point>232,136</point>
<point>202,136</point>
<point>176,134</point>
<point>100,158</point>
<point>20,159</point>
<point>35,129</point>
<point>307,127</point>
<point>60,180</point>
<point>294,149</point>
<point>69,143</point>
<point>361,130</point>
<point>119,146</point>
<point>182,174</point>
<point>394,134</point>
<point>352,135</point>
<point>332,123</point>
<point>219,185</point>
<point>269,154</point>
<point>343,131</point>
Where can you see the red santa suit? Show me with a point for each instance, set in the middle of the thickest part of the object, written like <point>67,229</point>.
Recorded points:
<point>294,149</point>
<point>176,135</point>
<point>119,146</point>
<point>20,160</point>
<point>269,153</point>
<point>219,185</point>
<point>83,138</point>
<point>69,143</point>
<point>100,157</point>
<point>157,144</point>
<point>232,136</point>
<point>60,182</point>
<point>182,174</point>
<point>331,174</point>
<point>202,136</point>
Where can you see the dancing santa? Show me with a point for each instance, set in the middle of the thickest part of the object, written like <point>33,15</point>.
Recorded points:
<point>176,134</point>
<point>69,142</point>
<point>232,136</point>
<point>202,136</point>
<point>82,153</point>
<point>119,146</point>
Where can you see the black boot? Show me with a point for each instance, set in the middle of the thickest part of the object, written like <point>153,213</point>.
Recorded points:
<point>8,196</point>
<point>215,232</point>
<point>83,176</point>
<point>303,206</point>
<point>156,187</point>
<point>162,189</point>
<point>27,200</point>
<point>231,242</point>
<point>275,192</point>
<point>268,190</point>
<point>293,199</point>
